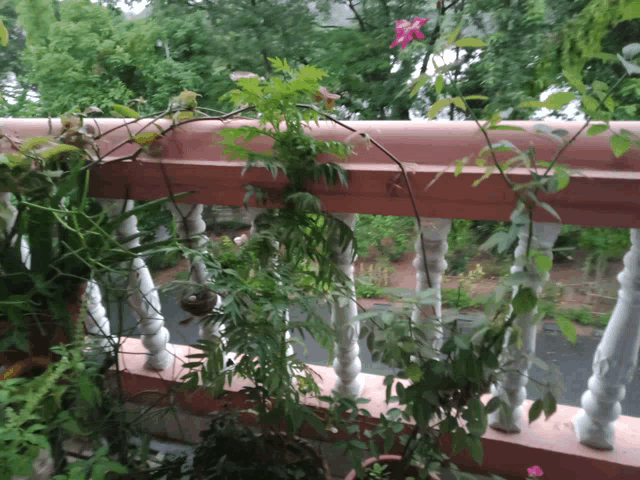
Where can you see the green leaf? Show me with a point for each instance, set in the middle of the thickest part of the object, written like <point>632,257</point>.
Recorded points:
<point>535,410</point>
<point>125,111</point>
<point>533,104</point>
<point>619,144</point>
<point>413,372</point>
<point>474,444</point>
<point>493,404</point>
<point>567,328</point>
<point>4,34</point>
<point>630,11</point>
<point>454,34</point>
<point>505,127</point>
<point>438,105</point>
<point>57,150</point>
<point>419,83</point>
<point>543,263</point>
<point>439,84</point>
<point>459,164</point>
<point>487,173</point>
<point>32,142</point>
<point>574,78</point>
<point>559,100</point>
<point>597,129</point>
<point>549,405</point>
<point>458,102</point>
<point>589,103</point>
<point>145,137</point>
<point>524,301</point>
<point>610,104</point>
<point>470,43</point>
<point>476,97</point>
<point>458,441</point>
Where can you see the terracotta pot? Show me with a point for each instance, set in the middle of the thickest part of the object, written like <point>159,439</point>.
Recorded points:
<point>41,339</point>
<point>392,462</point>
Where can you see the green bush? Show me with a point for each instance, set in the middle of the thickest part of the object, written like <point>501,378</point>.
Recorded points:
<point>610,242</point>
<point>457,298</point>
<point>371,229</point>
<point>462,246</point>
<point>366,289</point>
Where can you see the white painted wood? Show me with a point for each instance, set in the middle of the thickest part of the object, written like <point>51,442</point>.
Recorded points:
<point>615,359</point>
<point>143,296</point>
<point>347,364</point>
<point>512,389</point>
<point>435,232</point>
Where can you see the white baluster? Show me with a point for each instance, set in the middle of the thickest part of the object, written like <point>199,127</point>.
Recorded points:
<point>97,323</point>
<point>143,296</point>
<point>5,200</point>
<point>435,232</point>
<point>615,360</point>
<point>347,364</point>
<point>513,387</point>
<point>191,226</point>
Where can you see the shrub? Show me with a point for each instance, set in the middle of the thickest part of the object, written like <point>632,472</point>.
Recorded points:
<point>462,245</point>
<point>370,230</point>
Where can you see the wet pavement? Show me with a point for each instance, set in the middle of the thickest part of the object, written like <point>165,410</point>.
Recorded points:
<point>572,361</point>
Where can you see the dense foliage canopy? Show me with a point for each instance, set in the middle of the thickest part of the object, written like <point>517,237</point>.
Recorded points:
<point>64,54</point>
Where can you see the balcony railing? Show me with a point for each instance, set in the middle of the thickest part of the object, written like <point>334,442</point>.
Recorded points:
<point>594,441</point>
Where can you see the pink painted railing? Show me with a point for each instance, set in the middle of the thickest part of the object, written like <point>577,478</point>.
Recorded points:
<point>606,193</point>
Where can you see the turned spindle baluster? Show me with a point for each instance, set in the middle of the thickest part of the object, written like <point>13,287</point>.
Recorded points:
<point>512,389</point>
<point>347,364</point>
<point>615,360</point>
<point>435,232</point>
<point>143,296</point>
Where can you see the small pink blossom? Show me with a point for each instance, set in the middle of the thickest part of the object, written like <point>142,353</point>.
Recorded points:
<point>328,98</point>
<point>535,471</point>
<point>406,30</point>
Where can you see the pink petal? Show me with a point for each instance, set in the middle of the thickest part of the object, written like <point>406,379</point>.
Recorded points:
<point>535,471</point>
<point>418,34</point>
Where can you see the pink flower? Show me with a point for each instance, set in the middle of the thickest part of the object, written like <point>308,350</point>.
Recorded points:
<point>535,471</point>
<point>328,98</point>
<point>405,31</point>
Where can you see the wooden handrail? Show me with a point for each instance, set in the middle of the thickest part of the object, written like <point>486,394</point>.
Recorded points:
<point>607,195</point>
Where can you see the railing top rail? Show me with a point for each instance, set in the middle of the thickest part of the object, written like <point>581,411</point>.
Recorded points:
<point>425,143</point>
<point>606,192</point>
